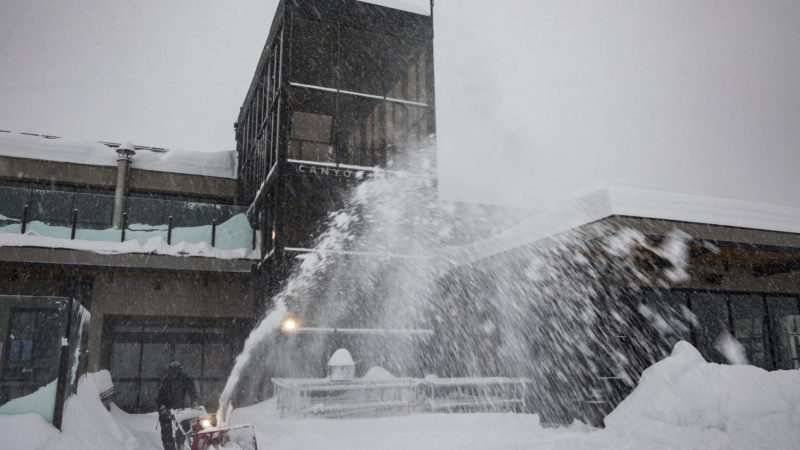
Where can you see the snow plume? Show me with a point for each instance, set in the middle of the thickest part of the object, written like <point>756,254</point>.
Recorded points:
<point>540,299</point>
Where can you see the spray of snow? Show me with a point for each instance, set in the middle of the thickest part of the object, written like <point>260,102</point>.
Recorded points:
<point>731,348</point>
<point>539,300</point>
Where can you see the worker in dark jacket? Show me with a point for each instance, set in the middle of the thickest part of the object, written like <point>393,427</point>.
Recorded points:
<point>176,391</point>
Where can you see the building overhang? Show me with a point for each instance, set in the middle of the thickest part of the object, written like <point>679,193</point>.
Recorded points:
<point>79,259</point>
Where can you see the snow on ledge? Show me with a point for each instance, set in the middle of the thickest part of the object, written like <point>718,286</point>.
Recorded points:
<point>213,164</point>
<point>604,202</point>
<point>153,246</point>
<point>627,201</point>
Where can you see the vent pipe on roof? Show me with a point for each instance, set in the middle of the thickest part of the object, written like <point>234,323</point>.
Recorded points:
<point>125,152</point>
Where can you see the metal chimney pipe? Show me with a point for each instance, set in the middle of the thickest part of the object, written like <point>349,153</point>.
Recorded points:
<point>125,154</point>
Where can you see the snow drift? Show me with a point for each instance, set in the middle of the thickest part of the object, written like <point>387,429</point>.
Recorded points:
<point>681,402</point>
<point>707,405</point>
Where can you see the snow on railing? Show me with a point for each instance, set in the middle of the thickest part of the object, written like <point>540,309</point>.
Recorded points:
<point>40,213</point>
<point>323,397</point>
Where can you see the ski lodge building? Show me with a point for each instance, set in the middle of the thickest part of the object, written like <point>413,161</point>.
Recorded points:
<point>175,254</point>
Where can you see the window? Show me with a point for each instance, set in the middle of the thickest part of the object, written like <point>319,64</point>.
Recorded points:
<point>32,345</point>
<point>140,351</point>
<point>712,316</point>
<point>785,323</point>
<point>748,328</point>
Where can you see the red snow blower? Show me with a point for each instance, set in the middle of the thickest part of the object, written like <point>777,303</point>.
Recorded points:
<point>194,429</point>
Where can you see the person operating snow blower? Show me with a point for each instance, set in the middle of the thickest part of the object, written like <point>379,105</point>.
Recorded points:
<point>177,390</point>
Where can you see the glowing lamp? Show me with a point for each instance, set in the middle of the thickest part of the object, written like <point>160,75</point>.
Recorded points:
<point>289,325</point>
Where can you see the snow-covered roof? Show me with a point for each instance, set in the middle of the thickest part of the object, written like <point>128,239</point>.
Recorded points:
<point>50,148</point>
<point>415,6</point>
<point>626,201</point>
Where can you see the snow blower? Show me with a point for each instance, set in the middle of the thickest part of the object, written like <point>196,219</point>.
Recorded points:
<point>194,429</point>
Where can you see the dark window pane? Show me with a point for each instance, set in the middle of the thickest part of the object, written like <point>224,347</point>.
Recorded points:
<point>748,328</point>
<point>12,204</point>
<point>314,49</point>
<point>125,360</point>
<point>361,130</point>
<point>676,314</point>
<point>155,358</point>
<point>712,315</point>
<point>209,392</point>
<point>51,207</point>
<point>785,322</point>
<point>127,395</point>
<point>366,61</point>
<point>312,124</point>
<point>216,360</point>
<point>33,345</point>
<point>184,214</point>
<point>190,355</point>
<point>94,211</point>
<point>146,211</point>
<point>147,395</point>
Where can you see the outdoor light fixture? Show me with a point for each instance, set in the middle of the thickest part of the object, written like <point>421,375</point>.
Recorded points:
<point>273,234</point>
<point>289,325</point>
<point>205,423</point>
<point>126,151</point>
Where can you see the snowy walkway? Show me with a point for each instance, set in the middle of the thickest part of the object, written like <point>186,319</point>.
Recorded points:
<point>681,402</point>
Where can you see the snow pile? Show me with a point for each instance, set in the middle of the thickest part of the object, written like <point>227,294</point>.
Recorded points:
<point>341,357</point>
<point>378,373</point>
<point>682,402</point>
<point>87,425</point>
<point>40,402</point>
<point>699,404</point>
<point>212,164</point>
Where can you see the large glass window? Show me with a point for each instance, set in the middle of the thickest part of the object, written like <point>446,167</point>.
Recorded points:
<point>313,114</point>
<point>35,332</point>
<point>748,328</point>
<point>94,211</point>
<point>12,208</point>
<point>314,52</point>
<point>51,207</point>
<point>140,351</point>
<point>785,323</point>
<point>712,316</point>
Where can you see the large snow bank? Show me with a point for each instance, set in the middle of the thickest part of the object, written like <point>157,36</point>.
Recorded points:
<point>681,402</point>
<point>701,404</point>
<point>87,425</point>
<point>40,402</point>
<point>213,164</point>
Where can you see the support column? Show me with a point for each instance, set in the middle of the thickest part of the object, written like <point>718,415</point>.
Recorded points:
<point>124,160</point>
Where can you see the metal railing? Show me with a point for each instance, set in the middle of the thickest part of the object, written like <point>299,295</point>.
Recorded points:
<point>72,215</point>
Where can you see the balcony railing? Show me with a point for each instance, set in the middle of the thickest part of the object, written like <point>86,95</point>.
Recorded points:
<point>71,215</point>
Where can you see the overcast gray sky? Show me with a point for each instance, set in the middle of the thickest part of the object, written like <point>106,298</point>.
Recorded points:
<point>162,73</point>
<point>536,99</point>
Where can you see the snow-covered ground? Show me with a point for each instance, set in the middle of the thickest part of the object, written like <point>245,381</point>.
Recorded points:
<point>681,402</point>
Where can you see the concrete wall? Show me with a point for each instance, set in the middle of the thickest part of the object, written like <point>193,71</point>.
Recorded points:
<point>139,293</point>
<point>143,295</point>
<point>103,177</point>
<point>731,266</point>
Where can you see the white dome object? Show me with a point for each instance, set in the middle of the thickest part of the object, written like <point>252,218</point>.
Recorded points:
<point>341,366</point>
